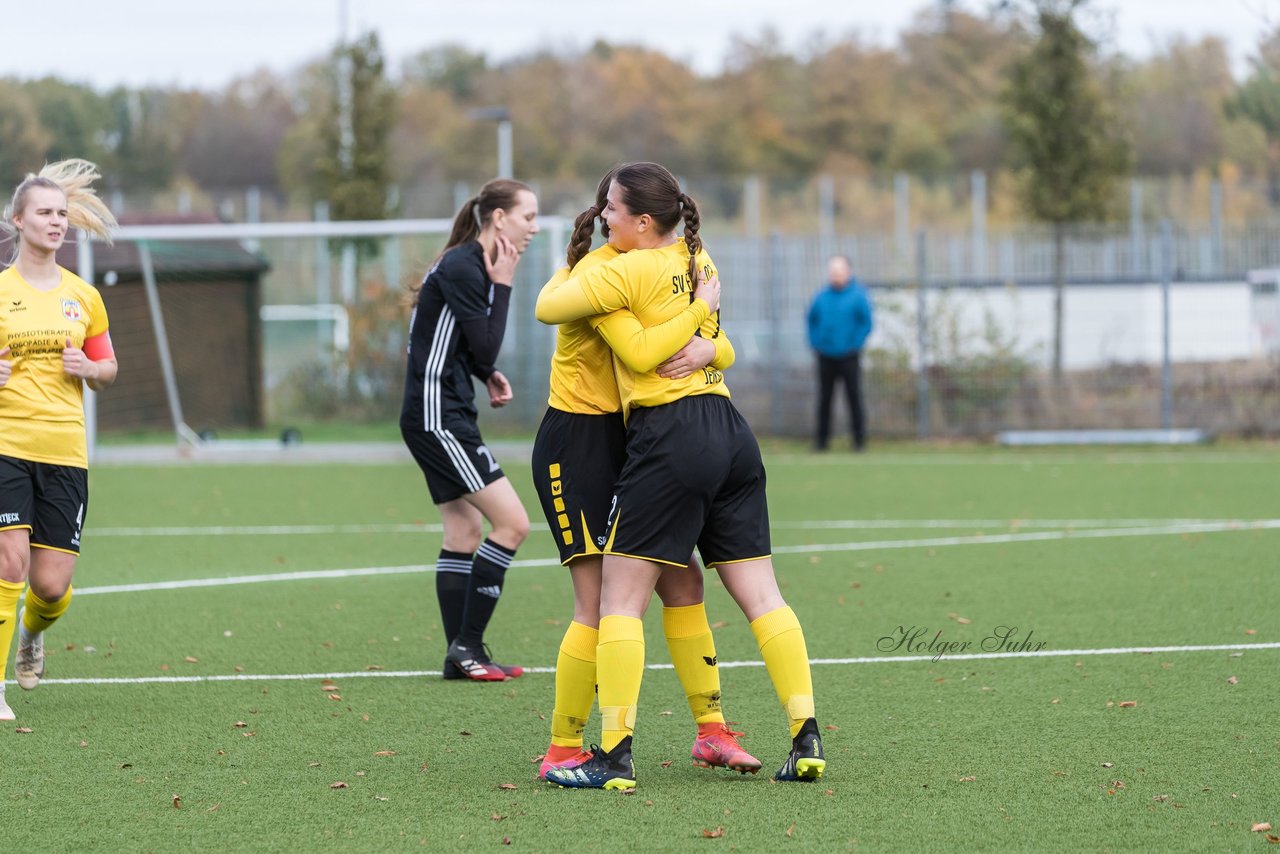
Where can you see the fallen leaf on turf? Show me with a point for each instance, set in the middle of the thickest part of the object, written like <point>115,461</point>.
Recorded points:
<point>791,830</point>
<point>359,773</point>
<point>127,765</point>
<point>222,753</point>
<point>249,734</point>
<point>374,667</point>
<point>313,764</point>
<point>464,732</point>
<point>338,785</point>
<point>423,768</point>
<point>84,744</point>
<point>1160,798</point>
<point>335,696</point>
<point>713,834</point>
<point>666,764</point>
<point>213,808</point>
<point>1273,839</point>
<point>1128,704</point>
<point>1246,631</point>
<point>507,786</point>
<point>969,779</point>
<point>719,624</point>
<point>831,727</point>
<point>25,730</point>
<point>1231,680</point>
<point>1119,784</point>
<point>240,724</point>
<point>666,714</point>
<point>506,840</point>
<point>380,798</point>
<point>1260,826</point>
<point>164,667</point>
<point>829,792</point>
<point>177,802</point>
<point>648,803</point>
<point>239,669</point>
<point>496,817</point>
<point>1108,764</point>
<point>191,659</point>
<point>385,753</point>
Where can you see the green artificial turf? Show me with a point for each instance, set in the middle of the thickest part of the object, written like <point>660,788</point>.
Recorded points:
<point>1084,746</point>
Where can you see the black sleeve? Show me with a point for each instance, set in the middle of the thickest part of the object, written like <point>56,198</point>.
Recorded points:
<point>465,288</point>
<point>484,334</point>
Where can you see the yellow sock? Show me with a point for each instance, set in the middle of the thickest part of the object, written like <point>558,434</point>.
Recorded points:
<point>619,669</point>
<point>39,615</point>
<point>575,685</point>
<point>786,658</point>
<point>9,593</point>
<point>693,652</point>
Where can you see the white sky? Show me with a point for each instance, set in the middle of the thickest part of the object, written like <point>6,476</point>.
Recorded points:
<point>207,44</point>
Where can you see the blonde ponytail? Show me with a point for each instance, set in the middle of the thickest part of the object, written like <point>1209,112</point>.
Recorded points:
<point>74,178</point>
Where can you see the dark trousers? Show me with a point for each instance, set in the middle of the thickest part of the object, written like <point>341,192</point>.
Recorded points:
<point>849,370</point>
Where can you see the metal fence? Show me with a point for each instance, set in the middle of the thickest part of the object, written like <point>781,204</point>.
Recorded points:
<point>1160,329</point>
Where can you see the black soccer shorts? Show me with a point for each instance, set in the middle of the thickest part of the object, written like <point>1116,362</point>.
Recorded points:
<point>48,500</point>
<point>454,461</point>
<point>576,462</point>
<point>693,476</point>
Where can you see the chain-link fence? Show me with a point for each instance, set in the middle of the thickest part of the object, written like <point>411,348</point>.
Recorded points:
<point>1159,329</point>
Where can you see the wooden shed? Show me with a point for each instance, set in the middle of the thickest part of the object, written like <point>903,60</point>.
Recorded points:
<point>210,295</point>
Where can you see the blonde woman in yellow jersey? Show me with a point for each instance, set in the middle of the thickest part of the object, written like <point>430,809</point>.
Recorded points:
<point>577,456</point>
<point>53,339</point>
<point>693,476</point>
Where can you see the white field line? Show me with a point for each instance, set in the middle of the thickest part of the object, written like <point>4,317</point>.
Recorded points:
<point>1027,459</point>
<point>874,545</point>
<point>817,525</point>
<point>1039,536</point>
<point>885,659</point>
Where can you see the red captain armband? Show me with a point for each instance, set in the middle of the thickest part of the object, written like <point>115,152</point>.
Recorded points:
<point>98,347</point>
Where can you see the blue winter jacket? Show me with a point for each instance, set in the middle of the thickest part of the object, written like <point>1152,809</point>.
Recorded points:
<point>840,320</point>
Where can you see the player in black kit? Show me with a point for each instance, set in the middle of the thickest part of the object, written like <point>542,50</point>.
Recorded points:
<point>459,318</point>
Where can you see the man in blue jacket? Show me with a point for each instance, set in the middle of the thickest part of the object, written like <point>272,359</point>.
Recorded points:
<point>839,323</point>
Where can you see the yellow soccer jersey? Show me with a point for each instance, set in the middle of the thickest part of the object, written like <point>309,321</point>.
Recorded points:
<point>41,407</point>
<point>654,284</point>
<point>583,378</point>
<point>582,364</point>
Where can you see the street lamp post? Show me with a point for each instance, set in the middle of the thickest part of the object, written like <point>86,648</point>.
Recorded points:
<point>502,116</point>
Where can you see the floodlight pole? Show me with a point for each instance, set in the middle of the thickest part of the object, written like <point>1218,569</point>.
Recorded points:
<point>502,116</point>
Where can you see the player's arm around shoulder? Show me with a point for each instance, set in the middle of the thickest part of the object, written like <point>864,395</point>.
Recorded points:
<point>598,290</point>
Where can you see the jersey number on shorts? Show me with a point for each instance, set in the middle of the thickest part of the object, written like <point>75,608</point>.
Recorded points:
<point>484,452</point>
<point>608,522</point>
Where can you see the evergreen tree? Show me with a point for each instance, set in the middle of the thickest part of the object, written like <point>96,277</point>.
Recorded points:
<point>1063,136</point>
